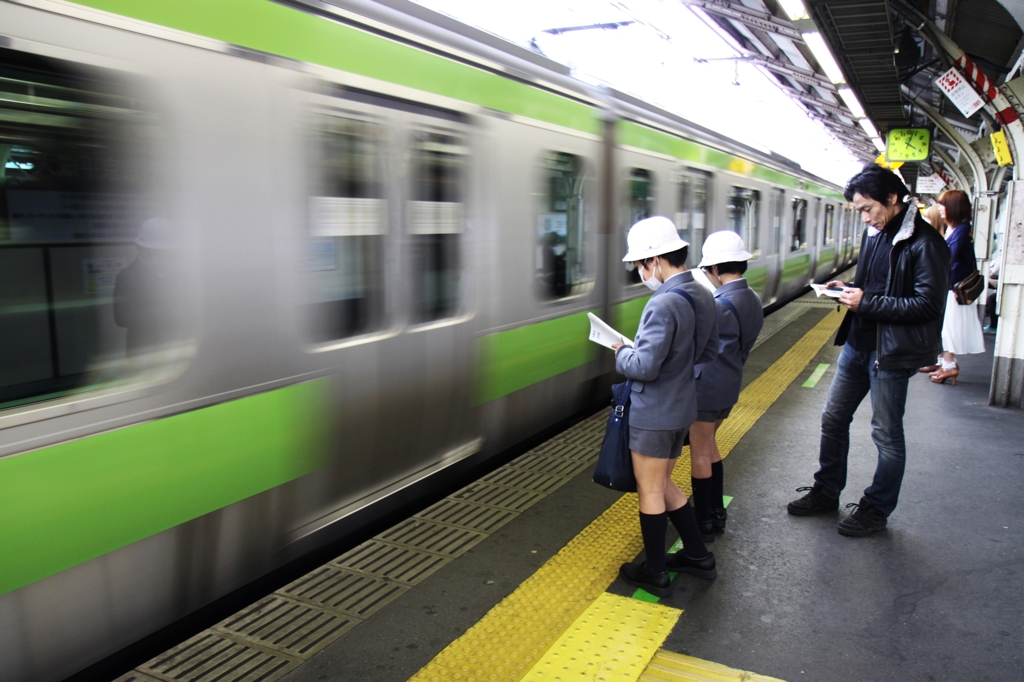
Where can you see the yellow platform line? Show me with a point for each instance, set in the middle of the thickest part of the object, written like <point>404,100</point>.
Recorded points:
<point>506,643</point>
<point>614,639</point>
<point>667,666</point>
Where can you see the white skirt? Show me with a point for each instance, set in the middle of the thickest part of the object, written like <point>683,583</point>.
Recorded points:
<point>961,328</point>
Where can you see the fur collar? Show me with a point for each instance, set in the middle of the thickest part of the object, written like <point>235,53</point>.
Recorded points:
<point>906,230</point>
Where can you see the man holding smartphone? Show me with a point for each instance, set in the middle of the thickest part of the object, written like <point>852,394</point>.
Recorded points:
<point>893,325</point>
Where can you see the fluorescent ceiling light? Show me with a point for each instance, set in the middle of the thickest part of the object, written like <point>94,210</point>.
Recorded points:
<point>852,102</point>
<point>795,9</point>
<point>824,56</point>
<point>868,127</point>
<point>879,145</point>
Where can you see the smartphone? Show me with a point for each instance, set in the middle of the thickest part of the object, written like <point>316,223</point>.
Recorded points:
<point>839,289</point>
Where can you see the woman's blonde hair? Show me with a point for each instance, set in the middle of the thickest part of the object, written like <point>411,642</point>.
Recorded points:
<point>934,217</point>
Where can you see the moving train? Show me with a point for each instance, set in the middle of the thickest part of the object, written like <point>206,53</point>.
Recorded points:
<point>266,267</point>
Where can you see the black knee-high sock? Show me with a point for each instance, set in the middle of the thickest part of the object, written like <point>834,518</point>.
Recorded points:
<point>702,498</point>
<point>653,527</point>
<point>686,523</point>
<point>717,485</point>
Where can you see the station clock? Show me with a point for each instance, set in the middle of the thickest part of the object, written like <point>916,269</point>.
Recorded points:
<point>908,144</point>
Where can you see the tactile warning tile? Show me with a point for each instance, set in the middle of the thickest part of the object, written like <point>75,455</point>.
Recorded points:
<point>344,591</point>
<point>212,657</point>
<point>614,639</point>
<point>667,666</point>
<point>512,637</point>
<point>289,626</point>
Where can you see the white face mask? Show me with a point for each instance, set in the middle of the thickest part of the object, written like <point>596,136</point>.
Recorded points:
<point>653,282</point>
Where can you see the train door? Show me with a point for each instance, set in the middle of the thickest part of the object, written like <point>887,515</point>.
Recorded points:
<point>743,216</point>
<point>773,260</point>
<point>693,189</point>
<point>827,244</point>
<point>796,262</point>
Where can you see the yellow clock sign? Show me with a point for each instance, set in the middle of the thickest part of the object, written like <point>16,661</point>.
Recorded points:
<point>908,144</point>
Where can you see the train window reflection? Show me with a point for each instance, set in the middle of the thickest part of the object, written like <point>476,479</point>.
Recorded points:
<point>692,211</point>
<point>641,205</point>
<point>743,217</point>
<point>90,278</point>
<point>347,224</point>
<point>436,219</point>
<point>798,241</point>
<point>830,218</point>
<point>778,207</point>
<point>558,264</point>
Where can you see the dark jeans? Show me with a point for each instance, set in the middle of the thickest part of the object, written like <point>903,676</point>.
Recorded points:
<point>856,375</point>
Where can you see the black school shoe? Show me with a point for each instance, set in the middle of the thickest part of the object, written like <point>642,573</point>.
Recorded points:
<point>814,502</point>
<point>864,520</point>
<point>718,517</point>
<point>657,584</point>
<point>702,568</point>
<point>707,531</point>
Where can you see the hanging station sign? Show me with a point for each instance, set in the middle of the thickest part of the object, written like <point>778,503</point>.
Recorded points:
<point>931,184</point>
<point>960,92</point>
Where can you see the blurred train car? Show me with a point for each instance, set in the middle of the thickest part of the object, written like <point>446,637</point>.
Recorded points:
<point>265,268</point>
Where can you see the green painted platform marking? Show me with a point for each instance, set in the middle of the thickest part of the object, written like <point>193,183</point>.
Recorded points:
<point>816,375</point>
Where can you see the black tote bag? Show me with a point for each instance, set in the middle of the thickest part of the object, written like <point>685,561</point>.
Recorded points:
<point>615,463</point>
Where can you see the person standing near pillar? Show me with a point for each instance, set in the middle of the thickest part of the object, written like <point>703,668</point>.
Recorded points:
<point>893,326</point>
<point>740,317</point>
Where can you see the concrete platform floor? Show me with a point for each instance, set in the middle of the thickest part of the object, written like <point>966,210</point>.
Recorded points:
<point>936,596</point>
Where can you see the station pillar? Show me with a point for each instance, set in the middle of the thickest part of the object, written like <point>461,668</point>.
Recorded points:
<point>1007,386</point>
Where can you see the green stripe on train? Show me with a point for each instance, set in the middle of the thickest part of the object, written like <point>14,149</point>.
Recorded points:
<point>795,267</point>
<point>757,278</point>
<point>66,504</point>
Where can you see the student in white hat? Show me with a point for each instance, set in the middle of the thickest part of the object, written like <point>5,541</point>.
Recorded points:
<point>675,330</point>
<point>740,318</point>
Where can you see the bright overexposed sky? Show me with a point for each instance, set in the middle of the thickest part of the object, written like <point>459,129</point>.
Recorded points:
<point>655,59</point>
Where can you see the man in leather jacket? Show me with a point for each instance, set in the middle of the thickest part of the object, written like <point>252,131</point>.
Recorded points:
<point>893,326</point>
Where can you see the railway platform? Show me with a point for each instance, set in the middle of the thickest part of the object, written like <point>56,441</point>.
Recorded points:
<point>514,577</point>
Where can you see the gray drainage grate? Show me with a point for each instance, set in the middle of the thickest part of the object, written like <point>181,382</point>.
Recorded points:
<point>401,564</point>
<point>533,481</point>
<point>432,537</point>
<point>135,676</point>
<point>466,515</point>
<point>351,593</point>
<point>496,496</point>
<point>289,626</point>
<point>210,657</point>
<point>553,466</point>
<point>588,438</point>
<point>567,451</point>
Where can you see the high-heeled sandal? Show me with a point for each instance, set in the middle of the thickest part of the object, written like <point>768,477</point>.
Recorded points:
<point>943,374</point>
<point>928,369</point>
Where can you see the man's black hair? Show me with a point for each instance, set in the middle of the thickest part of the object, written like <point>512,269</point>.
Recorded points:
<point>733,267</point>
<point>876,183</point>
<point>676,259</point>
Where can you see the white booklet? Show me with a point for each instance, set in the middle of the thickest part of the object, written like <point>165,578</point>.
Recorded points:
<point>822,290</point>
<point>602,334</point>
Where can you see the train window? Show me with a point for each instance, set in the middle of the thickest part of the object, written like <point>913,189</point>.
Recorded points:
<point>743,216</point>
<point>347,224</point>
<point>436,222</point>
<point>560,227</point>
<point>830,217</point>
<point>692,211</point>
<point>641,205</point>
<point>90,276</point>
<point>798,241</point>
<point>778,207</point>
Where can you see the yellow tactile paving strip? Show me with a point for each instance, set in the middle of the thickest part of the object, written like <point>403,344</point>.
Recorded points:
<point>667,666</point>
<point>506,643</point>
<point>614,639</point>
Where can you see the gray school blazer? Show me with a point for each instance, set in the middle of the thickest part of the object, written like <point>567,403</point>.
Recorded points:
<point>672,335</point>
<point>719,381</point>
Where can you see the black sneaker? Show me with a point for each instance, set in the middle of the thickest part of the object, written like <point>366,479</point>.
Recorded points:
<point>657,584</point>
<point>702,568</point>
<point>814,502</point>
<point>718,517</point>
<point>864,520</point>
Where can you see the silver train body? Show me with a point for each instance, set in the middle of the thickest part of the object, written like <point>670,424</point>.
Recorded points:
<point>233,165</point>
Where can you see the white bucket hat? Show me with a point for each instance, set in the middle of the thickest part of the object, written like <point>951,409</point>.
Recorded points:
<point>723,247</point>
<point>652,237</point>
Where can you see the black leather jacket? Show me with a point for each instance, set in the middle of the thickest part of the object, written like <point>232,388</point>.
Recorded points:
<point>909,315</point>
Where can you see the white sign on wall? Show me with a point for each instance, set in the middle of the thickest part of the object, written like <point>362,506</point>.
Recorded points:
<point>960,92</point>
<point>932,184</point>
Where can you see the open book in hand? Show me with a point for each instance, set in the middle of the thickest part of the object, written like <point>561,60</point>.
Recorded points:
<point>822,290</point>
<point>601,333</point>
